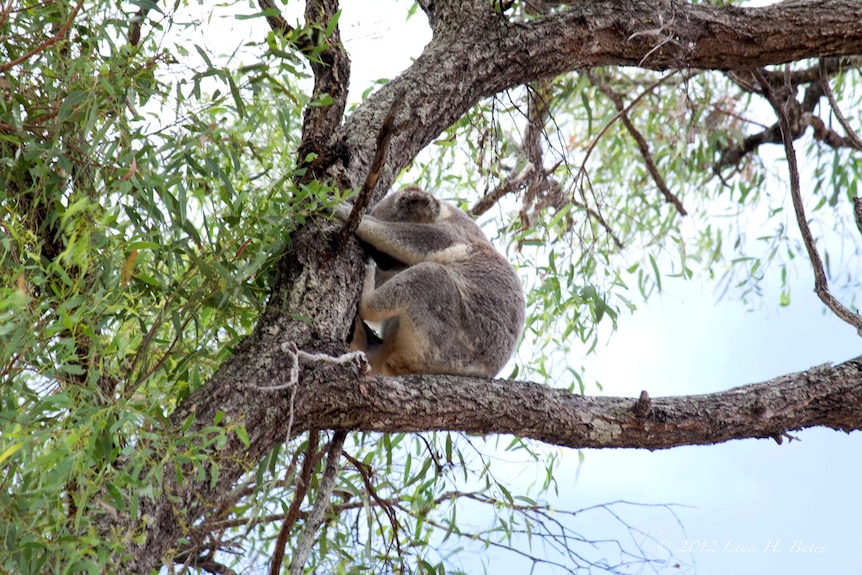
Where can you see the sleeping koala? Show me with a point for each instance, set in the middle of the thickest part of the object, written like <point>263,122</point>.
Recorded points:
<point>449,303</point>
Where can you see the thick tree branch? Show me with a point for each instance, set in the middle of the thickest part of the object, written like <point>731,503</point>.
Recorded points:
<point>822,396</point>
<point>487,54</point>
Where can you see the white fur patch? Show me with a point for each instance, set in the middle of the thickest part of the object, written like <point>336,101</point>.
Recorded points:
<point>452,254</point>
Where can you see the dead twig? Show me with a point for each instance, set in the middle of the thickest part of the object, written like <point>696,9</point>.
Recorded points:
<point>641,142</point>
<point>821,284</point>
<point>47,43</point>
<point>302,484</point>
<point>384,136</point>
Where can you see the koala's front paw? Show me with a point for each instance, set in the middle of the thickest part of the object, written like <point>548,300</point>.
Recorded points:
<point>342,211</point>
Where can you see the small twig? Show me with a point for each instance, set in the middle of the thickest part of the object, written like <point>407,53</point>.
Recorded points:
<point>387,506</point>
<point>298,496</point>
<point>321,504</point>
<point>384,136</point>
<point>641,142</point>
<point>47,43</point>
<point>4,14</point>
<point>821,284</point>
<point>827,89</point>
<point>596,215</point>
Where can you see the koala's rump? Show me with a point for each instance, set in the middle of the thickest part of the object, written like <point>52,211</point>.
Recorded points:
<point>450,318</point>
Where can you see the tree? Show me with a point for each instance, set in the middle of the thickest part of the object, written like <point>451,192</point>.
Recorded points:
<point>176,300</point>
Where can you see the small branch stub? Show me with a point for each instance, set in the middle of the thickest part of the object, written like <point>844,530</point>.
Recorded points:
<point>643,406</point>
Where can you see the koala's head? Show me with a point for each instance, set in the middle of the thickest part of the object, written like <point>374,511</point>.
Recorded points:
<point>412,204</point>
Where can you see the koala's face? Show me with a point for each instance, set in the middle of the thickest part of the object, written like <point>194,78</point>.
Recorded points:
<point>408,205</point>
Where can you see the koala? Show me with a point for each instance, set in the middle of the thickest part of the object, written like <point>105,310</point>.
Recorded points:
<point>449,303</point>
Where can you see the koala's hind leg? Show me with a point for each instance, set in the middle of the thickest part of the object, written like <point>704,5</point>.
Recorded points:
<point>365,340</point>
<point>420,308</point>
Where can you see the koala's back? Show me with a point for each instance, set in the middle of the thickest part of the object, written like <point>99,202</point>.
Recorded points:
<point>491,310</point>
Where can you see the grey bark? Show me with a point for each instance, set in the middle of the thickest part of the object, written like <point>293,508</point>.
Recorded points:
<point>474,55</point>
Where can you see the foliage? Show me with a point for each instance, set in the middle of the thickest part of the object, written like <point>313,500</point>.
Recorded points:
<point>147,191</point>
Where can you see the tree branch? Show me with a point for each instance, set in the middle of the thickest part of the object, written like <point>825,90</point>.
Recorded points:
<point>822,396</point>
<point>821,284</point>
<point>318,150</point>
<point>292,515</point>
<point>384,136</point>
<point>854,138</point>
<point>321,504</point>
<point>800,114</point>
<point>486,55</point>
<point>641,142</point>
<point>61,33</point>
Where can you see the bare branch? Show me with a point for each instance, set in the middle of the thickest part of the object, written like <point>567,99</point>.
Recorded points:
<point>387,129</point>
<point>292,515</point>
<point>826,135</point>
<point>801,114</point>
<point>821,284</point>
<point>641,142</point>
<point>321,504</point>
<point>854,138</point>
<point>823,396</point>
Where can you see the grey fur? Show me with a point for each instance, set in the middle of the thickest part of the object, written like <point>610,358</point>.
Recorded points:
<point>451,304</point>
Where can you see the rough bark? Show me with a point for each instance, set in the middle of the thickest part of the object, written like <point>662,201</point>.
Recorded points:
<point>823,396</point>
<point>474,55</point>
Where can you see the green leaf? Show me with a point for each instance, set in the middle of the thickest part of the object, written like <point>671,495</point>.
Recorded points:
<point>243,435</point>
